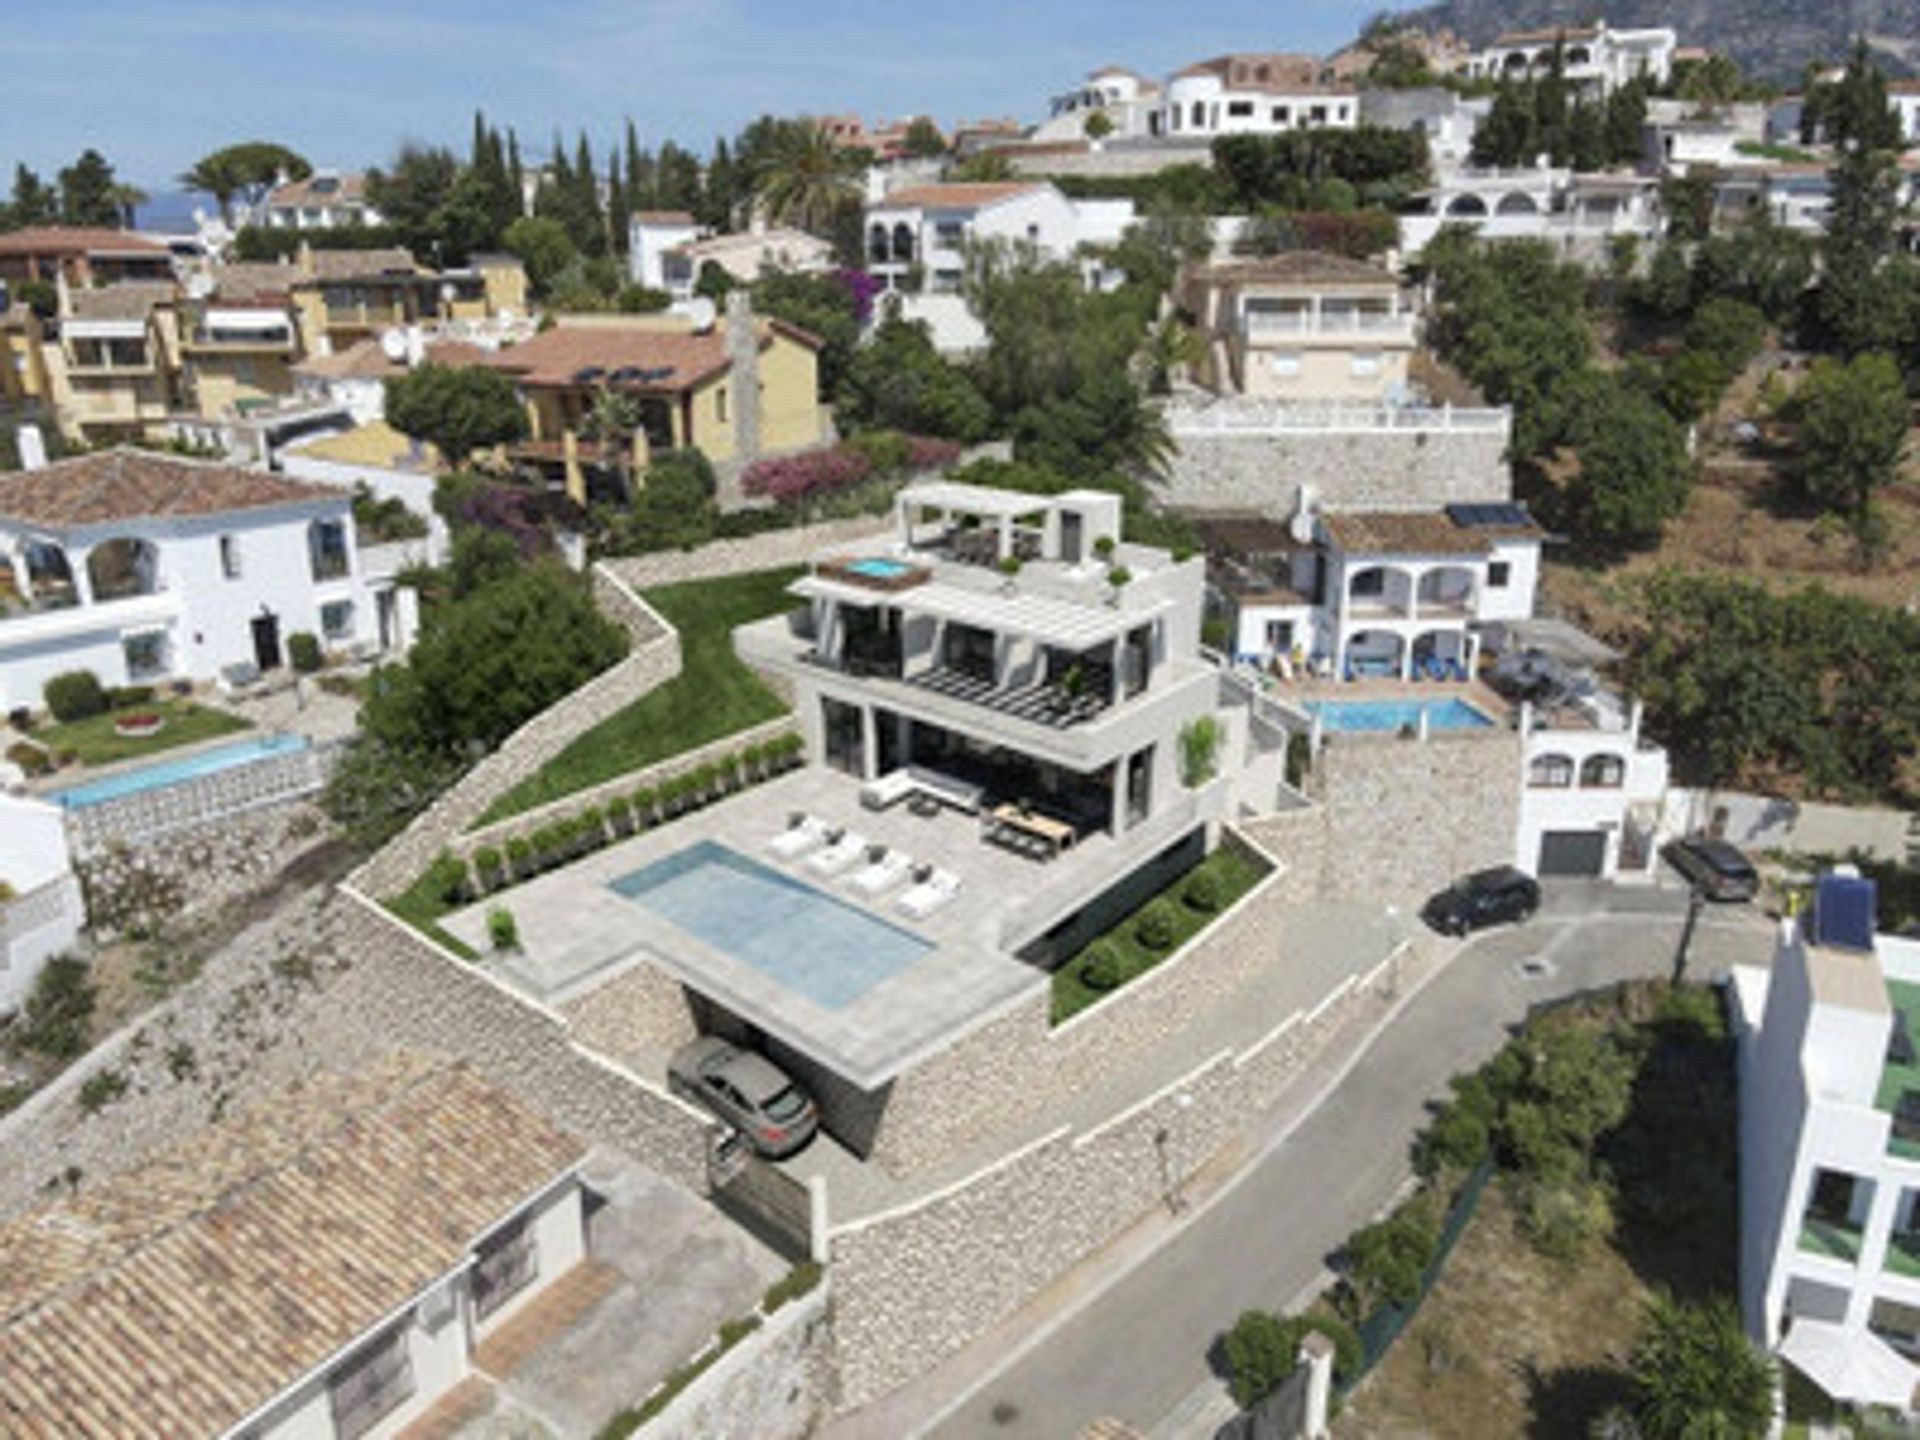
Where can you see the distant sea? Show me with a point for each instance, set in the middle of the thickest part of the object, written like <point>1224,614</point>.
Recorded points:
<point>171,212</point>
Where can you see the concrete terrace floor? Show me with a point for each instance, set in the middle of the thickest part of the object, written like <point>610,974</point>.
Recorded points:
<point>576,933</point>
<point>664,1269</point>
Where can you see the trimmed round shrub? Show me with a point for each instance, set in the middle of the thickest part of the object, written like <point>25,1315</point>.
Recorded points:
<point>593,825</point>
<point>1156,926</point>
<point>620,815</point>
<point>502,931</point>
<point>488,861</point>
<point>519,855</point>
<point>1100,967</point>
<point>449,880</point>
<point>76,694</point>
<point>1203,892</point>
<point>646,803</point>
<point>303,649</point>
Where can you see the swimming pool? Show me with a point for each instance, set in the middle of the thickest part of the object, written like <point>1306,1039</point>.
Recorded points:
<point>172,772</point>
<point>819,946</point>
<point>1338,716</point>
<point>875,568</point>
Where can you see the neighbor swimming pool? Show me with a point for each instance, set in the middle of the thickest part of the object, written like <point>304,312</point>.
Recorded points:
<point>1338,716</point>
<point>875,568</point>
<point>819,946</point>
<point>172,772</point>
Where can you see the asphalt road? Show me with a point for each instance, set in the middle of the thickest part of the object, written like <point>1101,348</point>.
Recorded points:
<point>1139,1349</point>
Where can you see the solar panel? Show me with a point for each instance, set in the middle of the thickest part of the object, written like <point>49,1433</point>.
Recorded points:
<point>1844,912</point>
<point>1484,515</point>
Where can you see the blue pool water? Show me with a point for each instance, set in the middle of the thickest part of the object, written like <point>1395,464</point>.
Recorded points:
<point>827,950</point>
<point>875,569</point>
<point>1344,715</point>
<point>172,772</point>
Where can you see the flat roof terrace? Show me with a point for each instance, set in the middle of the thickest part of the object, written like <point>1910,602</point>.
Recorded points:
<point>872,1017</point>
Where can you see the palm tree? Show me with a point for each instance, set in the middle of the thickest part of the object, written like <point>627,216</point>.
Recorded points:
<point>613,421</point>
<point>217,176</point>
<point>807,180</point>
<point>1171,345</point>
<point>129,198</point>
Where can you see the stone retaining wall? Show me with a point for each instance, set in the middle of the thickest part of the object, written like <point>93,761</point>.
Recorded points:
<point>1018,1063</point>
<point>653,660</point>
<point>1264,472</point>
<point>331,987</point>
<point>772,550</point>
<point>914,1285</point>
<point>273,779</point>
<point>771,1386</point>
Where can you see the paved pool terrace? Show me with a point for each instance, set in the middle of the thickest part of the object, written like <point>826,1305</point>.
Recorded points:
<point>577,931</point>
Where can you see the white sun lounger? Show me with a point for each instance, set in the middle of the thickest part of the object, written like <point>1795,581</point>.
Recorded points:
<point>930,894</point>
<point>883,874</point>
<point>798,839</point>
<point>839,855</point>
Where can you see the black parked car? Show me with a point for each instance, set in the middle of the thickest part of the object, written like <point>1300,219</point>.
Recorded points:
<point>1486,897</point>
<point>1714,868</point>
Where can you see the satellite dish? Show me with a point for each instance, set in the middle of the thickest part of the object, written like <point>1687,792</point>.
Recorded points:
<point>393,345</point>
<point>701,311</point>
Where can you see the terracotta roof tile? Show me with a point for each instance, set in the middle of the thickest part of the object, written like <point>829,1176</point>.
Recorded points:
<point>347,190</point>
<point>131,300</point>
<point>180,1297</point>
<point>363,264</point>
<point>248,280</point>
<point>1298,267</point>
<point>76,240</point>
<point>366,360</point>
<point>1393,532</point>
<point>557,357</point>
<point>128,484</point>
<point>961,196</point>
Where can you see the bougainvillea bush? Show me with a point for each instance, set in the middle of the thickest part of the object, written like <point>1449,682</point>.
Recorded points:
<point>815,474</point>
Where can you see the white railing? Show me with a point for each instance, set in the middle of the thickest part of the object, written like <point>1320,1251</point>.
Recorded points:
<point>1263,323</point>
<point>1247,418</point>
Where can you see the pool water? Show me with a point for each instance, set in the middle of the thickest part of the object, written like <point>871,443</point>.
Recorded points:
<point>1338,716</point>
<point>876,569</point>
<point>819,946</point>
<point>172,772</point>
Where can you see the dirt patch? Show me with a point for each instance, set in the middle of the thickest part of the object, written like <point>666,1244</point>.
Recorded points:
<point>1508,1343</point>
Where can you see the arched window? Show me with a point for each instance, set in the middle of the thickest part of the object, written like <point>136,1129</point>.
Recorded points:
<point>1603,772</point>
<point>1518,202</point>
<point>1550,772</point>
<point>877,243</point>
<point>903,243</point>
<point>117,569</point>
<point>1466,205</point>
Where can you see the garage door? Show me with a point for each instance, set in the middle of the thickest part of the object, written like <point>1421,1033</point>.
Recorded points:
<point>1572,852</point>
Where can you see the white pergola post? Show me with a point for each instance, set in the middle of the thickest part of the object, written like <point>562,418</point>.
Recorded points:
<point>1006,536</point>
<point>77,569</point>
<point>22,577</point>
<point>869,744</point>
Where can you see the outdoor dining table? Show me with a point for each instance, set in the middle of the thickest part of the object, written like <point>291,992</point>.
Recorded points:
<point>1056,835</point>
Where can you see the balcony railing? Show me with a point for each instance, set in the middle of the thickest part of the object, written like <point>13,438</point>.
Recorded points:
<point>1270,324</point>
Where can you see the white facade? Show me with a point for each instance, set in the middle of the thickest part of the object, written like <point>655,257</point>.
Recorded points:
<point>439,1331</point>
<point>1596,56</point>
<point>1591,795</point>
<point>204,592</point>
<point>1580,215</point>
<point>1829,1167</point>
<point>653,236</point>
<point>1201,102</point>
<point>325,200</point>
<point>43,914</point>
<point>916,241</point>
<point>1126,99</point>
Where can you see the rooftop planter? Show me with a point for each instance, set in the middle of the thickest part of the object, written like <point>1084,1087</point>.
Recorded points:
<point>139,725</point>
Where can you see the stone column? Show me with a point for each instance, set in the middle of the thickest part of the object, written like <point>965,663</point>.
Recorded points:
<point>77,569</point>
<point>743,361</point>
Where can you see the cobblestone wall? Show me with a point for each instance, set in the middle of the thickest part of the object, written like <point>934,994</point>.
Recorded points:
<point>332,986</point>
<point>770,551</point>
<point>914,1285</point>
<point>192,868</point>
<point>273,779</point>
<point>1264,472</point>
<point>653,659</point>
<point>771,1386</point>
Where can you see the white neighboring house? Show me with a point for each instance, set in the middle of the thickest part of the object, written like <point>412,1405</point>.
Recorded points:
<point>666,256</point>
<point>1248,94</point>
<point>366,1235</point>
<point>916,240</point>
<point>1127,98</point>
<point>1579,215</point>
<point>1830,1149</point>
<point>325,200</point>
<point>1593,56</point>
<point>145,568</point>
<point>42,911</point>
<point>1590,803</point>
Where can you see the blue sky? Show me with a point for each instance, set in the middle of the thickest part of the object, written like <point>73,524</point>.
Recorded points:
<point>154,83</point>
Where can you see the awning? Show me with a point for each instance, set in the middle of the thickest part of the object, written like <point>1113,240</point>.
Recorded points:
<point>1039,617</point>
<point>983,500</point>
<point>1854,1366</point>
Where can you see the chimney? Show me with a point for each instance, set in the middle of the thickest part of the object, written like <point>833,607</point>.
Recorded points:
<point>743,373</point>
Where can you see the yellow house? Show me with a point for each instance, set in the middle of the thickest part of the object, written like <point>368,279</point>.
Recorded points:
<point>242,341</point>
<point>342,296</point>
<point>734,390</point>
<point>23,365</point>
<point>114,368</point>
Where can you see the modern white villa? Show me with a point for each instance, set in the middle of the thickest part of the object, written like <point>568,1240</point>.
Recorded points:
<point>667,250</point>
<point>41,909</point>
<point>1125,97</point>
<point>917,236</point>
<point>363,1235</point>
<point>1302,324</point>
<point>1253,94</point>
<point>1592,56</point>
<point>146,568</point>
<point>1830,1149</point>
<point>1581,215</point>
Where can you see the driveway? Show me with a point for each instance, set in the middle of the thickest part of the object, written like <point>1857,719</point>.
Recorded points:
<point>1138,1350</point>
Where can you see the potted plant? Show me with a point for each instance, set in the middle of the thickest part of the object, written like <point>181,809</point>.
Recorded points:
<point>1103,548</point>
<point>1010,567</point>
<point>1119,577</point>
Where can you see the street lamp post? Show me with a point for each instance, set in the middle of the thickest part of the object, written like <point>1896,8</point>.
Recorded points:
<point>1696,901</point>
